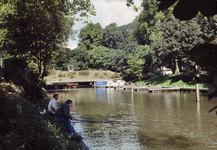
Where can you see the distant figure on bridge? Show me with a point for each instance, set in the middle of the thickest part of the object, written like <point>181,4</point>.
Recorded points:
<point>52,106</point>
<point>63,115</point>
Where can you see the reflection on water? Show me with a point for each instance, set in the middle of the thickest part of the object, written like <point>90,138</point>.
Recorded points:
<point>179,113</point>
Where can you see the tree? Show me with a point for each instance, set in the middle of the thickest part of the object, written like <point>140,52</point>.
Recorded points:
<point>112,37</point>
<point>145,53</point>
<point>136,65</point>
<point>119,59</point>
<point>172,39</point>
<point>77,57</point>
<point>90,36</point>
<point>185,10</point>
<point>38,30</point>
<point>126,30</point>
<point>146,20</point>
<point>100,57</point>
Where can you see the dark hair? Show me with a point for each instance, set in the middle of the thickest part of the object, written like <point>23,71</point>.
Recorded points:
<point>55,95</point>
<point>68,101</point>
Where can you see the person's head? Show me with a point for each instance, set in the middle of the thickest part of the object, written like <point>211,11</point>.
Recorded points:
<point>69,102</point>
<point>56,96</point>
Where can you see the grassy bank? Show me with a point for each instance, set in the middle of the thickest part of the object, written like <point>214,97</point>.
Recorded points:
<point>57,75</point>
<point>165,81</point>
<point>23,127</point>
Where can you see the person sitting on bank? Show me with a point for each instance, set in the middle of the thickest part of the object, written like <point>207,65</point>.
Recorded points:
<point>63,115</point>
<point>52,106</point>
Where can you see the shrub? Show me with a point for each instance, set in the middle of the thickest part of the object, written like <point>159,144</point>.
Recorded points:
<point>51,71</point>
<point>96,74</point>
<point>22,127</point>
<point>71,74</point>
<point>64,75</point>
<point>84,73</point>
<point>105,73</point>
<point>60,74</point>
<point>16,71</point>
<point>115,76</point>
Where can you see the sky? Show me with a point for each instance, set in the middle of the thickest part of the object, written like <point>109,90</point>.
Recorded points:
<point>107,12</point>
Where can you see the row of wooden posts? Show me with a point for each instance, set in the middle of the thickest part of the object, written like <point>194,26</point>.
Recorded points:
<point>196,89</point>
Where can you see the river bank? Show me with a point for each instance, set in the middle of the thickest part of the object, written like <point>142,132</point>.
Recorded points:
<point>23,127</point>
<point>165,81</point>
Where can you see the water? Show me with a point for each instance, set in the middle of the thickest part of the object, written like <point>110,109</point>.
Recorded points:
<point>182,119</point>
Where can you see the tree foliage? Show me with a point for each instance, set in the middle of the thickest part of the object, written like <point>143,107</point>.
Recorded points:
<point>39,29</point>
<point>136,65</point>
<point>112,37</point>
<point>146,20</point>
<point>90,36</point>
<point>77,57</point>
<point>101,57</point>
<point>172,39</point>
<point>145,53</point>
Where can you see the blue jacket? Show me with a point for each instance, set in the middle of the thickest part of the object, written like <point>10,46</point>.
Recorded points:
<point>63,112</point>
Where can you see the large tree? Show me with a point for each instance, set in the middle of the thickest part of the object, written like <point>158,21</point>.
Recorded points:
<point>146,20</point>
<point>90,36</point>
<point>112,37</point>
<point>136,66</point>
<point>172,39</point>
<point>145,53</point>
<point>37,30</point>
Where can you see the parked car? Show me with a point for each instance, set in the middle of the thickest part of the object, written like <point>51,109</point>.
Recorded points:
<point>150,74</point>
<point>166,72</point>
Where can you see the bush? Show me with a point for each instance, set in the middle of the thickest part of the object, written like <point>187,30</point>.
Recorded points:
<point>84,73</point>
<point>71,74</point>
<point>51,71</point>
<point>64,75</point>
<point>96,74</point>
<point>60,74</point>
<point>16,71</point>
<point>105,74</point>
<point>115,76</point>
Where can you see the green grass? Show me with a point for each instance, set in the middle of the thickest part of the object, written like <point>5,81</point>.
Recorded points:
<point>84,73</point>
<point>115,76</point>
<point>166,81</point>
<point>96,74</point>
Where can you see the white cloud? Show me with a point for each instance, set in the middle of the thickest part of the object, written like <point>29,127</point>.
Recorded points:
<point>110,11</point>
<point>113,11</point>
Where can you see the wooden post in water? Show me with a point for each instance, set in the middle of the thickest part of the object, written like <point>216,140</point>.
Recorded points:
<point>94,84</point>
<point>184,88</point>
<point>132,87</point>
<point>164,85</point>
<point>101,84</point>
<point>197,93</point>
<point>109,84</point>
<point>118,86</point>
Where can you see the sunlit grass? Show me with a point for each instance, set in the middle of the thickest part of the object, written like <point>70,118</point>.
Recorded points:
<point>165,81</point>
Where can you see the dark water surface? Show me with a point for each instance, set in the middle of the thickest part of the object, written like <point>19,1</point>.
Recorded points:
<point>178,113</point>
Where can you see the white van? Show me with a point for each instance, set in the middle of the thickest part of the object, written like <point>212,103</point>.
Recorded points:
<point>167,71</point>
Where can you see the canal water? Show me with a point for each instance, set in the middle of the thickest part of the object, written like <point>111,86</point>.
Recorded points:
<point>167,121</point>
